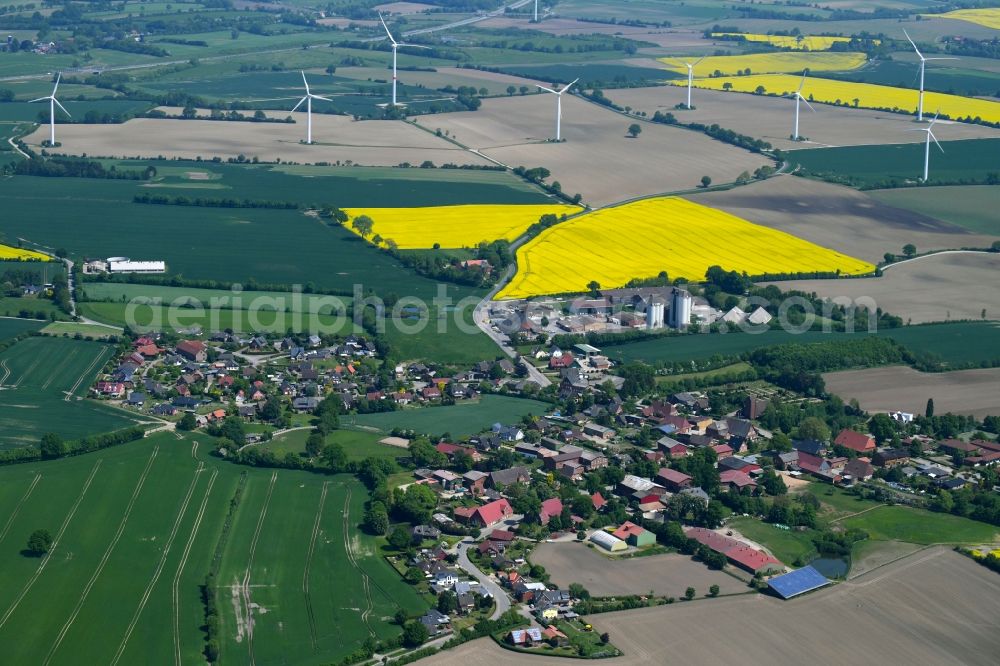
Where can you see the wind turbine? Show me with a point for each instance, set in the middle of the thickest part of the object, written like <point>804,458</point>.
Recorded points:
<point>927,145</point>
<point>558,95</point>
<point>536,11</point>
<point>799,98</point>
<point>395,45</point>
<point>52,110</point>
<point>923,61</point>
<point>308,99</point>
<point>691,66</point>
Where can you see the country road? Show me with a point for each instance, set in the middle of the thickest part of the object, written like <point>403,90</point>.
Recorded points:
<point>501,598</point>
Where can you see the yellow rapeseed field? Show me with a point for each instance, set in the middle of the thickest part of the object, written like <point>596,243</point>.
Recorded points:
<point>769,63</point>
<point>800,43</point>
<point>869,96</point>
<point>454,226</point>
<point>8,253</point>
<point>987,17</point>
<point>643,238</point>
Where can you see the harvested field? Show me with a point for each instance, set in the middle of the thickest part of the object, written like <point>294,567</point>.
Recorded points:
<point>974,392</point>
<point>338,139</point>
<point>931,608</point>
<point>934,288</point>
<point>662,37</point>
<point>771,118</point>
<point>596,159</point>
<point>838,217</point>
<point>403,7</point>
<point>669,574</point>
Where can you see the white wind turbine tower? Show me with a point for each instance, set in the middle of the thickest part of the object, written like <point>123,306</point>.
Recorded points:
<point>799,98</point>
<point>52,110</point>
<point>395,45</point>
<point>558,95</point>
<point>927,144</point>
<point>691,66</point>
<point>923,61</point>
<point>536,11</point>
<point>308,99</point>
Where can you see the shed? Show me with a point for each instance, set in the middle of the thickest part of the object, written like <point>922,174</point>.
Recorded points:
<point>608,542</point>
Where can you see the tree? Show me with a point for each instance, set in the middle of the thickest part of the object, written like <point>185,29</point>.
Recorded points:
<point>334,457</point>
<point>578,591</point>
<point>52,445</point>
<point>594,287</point>
<point>713,591</point>
<point>417,503</point>
<point>882,428</point>
<point>314,444</point>
<point>376,520</point>
<point>511,90</point>
<point>413,575</point>
<point>605,638</point>
<point>400,617</point>
<point>689,593</point>
<point>414,634</point>
<point>634,130</point>
<point>400,538</point>
<point>812,427</point>
<point>447,602</point>
<point>363,224</point>
<point>909,249</point>
<point>929,410</point>
<point>187,422</point>
<point>331,69</point>
<point>39,543</point>
<point>706,181</point>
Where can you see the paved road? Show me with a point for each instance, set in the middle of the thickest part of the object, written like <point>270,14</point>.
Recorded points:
<point>501,598</point>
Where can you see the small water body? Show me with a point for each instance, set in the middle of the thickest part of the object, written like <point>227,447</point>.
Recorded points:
<point>831,567</point>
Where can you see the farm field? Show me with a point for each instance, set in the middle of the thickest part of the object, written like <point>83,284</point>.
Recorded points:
<point>515,131</point>
<point>829,91</point>
<point>137,528</point>
<point>643,238</point>
<point>72,329</point>
<point>32,306</point>
<point>935,288</point>
<point>958,343</point>
<point>894,388</point>
<point>455,226</point>
<point>459,420</point>
<point>238,299</point>
<point>80,110</point>
<point>668,574</point>
<point>791,547</point>
<point>970,206</point>
<point>357,444</point>
<point>783,62</point>
<point>796,43</point>
<point>594,74</point>
<point>11,327</point>
<point>932,607</point>
<point>868,166</point>
<point>9,253</point>
<point>337,139</point>
<point>771,119</point>
<point>903,523</point>
<point>839,218</point>
<point>970,78</point>
<point>665,38</point>
<point>989,17</point>
<point>44,381</point>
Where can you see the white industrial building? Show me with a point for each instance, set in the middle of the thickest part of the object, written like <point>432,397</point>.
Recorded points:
<point>608,542</point>
<point>654,313</point>
<point>126,265</point>
<point>680,308</point>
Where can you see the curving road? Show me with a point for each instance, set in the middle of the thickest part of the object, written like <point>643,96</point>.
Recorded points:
<point>491,586</point>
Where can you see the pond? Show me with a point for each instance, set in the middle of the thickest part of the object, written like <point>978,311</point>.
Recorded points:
<point>831,567</point>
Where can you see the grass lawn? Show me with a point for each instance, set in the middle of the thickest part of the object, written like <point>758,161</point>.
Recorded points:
<point>788,546</point>
<point>357,444</point>
<point>839,502</point>
<point>35,308</point>
<point>731,369</point>
<point>461,419</point>
<point>69,328</point>
<point>902,523</point>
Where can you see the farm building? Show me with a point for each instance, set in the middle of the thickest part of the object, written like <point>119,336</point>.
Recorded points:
<point>634,535</point>
<point>126,265</point>
<point>608,542</point>
<point>737,552</point>
<point>797,582</point>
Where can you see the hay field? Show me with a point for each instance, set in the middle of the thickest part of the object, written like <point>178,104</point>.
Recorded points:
<point>337,138</point>
<point>771,119</point>
<point>929,289</point>
<point>771,63</point>
<point>455,226</point>
<point>838,217</point>
<point>872,96</point>
<point>931,608</point>
<point>596,159</point>
<point>669,574</point>
<point>899,387</point>
<point>643,238</point>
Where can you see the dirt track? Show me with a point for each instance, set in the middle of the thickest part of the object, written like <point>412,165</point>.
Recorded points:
<point>934,607</point>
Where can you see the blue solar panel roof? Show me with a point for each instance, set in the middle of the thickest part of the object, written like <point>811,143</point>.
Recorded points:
<point>797,582</point>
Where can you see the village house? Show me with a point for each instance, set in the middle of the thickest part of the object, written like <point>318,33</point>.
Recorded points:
<point>486,515</point>
<point>855,441</point>
<point>192,350</point>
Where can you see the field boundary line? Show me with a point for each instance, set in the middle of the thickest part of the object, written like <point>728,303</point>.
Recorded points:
<point>348,549</point>
<point>72,391</point>
<point>27,372</point>
<point>55,544</point>
<point>932,254</point>
<point>245,589</point>
<point>17,508</point>
<point>159,565</point>
<point>175,585</point>
<point>66,359</point>
<point>104,558</point>
<point>308,568</point>
<point>852,515</point>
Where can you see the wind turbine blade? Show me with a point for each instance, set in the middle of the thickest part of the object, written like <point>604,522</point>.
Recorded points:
<point>931,135</point>
<point>58,78</point>
<point>915,130</point>
<point>936,114</point>
<point>942,58</point>
<point>301,101</point>
<point>807,103</point>
<point>698,60</point>
<point>325,99</point>
<point>547,89</point>
<point>386,28</point>
<point>40,99</point>
<point>62,107</point>
<point>568,85</point>
<point>304,82</point>
<point>912,44</point>
<point>801,84</point>
<point>413,46</point>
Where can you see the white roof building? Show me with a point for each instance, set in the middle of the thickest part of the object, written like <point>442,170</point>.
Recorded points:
<point>607,541</point>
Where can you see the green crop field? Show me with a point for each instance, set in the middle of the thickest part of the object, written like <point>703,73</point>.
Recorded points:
<point>69,328</point>
<point>31,306</point>
<point>79,109</point>
<point>461,419</point>
<point>357,444</point>
<point>965,342</point>
<point>971,206</point>
<point>903,523</point>
<point>12,327</point>
<point>137,527</point>
<point>592,72</point>
<point>44,382</point>
<point>866,166</point>
<point>954,79</point>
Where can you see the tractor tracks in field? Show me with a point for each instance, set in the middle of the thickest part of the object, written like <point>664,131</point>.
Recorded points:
<point>175,597</point>
<point>55,544</point>
<point>6,371</point>
<point>58,369</point>
<point>104,558</point>
<point>245,585</point>
<point>17,509</point>
<point>308,568</point>
<point>84,375</point>
<point>159,566</point>
<point>349,549</point>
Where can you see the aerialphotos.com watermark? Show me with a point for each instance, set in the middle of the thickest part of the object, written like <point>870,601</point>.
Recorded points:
<point>303,313</point>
